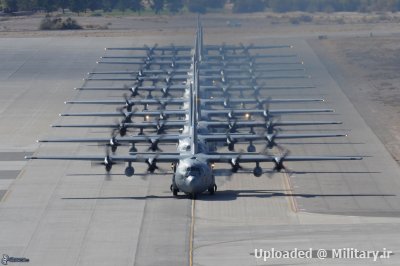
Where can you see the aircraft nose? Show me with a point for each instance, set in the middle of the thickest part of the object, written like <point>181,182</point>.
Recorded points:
<point>191,183</point>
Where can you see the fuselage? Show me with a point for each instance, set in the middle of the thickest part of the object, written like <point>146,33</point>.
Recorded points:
<point>193,175</point>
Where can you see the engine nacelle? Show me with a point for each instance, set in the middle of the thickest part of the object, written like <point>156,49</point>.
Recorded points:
<point>231,146</point>
<point>129,171</point>
<point>257,171</point>
<point>251,148</point>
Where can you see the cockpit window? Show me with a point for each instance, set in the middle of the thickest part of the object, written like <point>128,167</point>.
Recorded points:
<point>194,171</point>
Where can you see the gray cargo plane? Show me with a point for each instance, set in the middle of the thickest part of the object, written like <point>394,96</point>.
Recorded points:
<point>193,162</point>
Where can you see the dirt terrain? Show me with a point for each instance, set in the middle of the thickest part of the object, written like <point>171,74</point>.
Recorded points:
<point>368,71</point>
<point>288,24</point>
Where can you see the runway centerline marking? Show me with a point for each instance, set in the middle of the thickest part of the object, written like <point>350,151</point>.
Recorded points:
<point>191,234</point>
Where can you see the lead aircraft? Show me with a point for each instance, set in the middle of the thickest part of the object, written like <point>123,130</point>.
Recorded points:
<point>194,160</point>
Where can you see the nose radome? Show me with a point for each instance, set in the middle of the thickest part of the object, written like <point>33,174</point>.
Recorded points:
<point>191,183</point>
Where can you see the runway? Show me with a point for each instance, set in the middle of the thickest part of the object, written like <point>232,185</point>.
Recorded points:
<point>66,213</point>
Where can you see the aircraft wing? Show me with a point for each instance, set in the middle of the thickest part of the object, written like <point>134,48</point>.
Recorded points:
<point>129,139</point>
<point>211,158</point>
<point>165,124</point>
<point>249,158</point>
<point>144,88</point>
<point>138,113</point>
<point>260,100</point>
<point>153,48</point>
<point>132,101</point>
<point>242,124</point>
<point>266,113</point>
<point>140,157</point>
<point>250,87</point>
<point>270,137</point>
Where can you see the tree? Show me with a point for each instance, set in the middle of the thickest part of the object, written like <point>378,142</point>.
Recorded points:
<point>123,5</point>
<point>248,6</point>
<point>157,6</point>
<point>47,5</point>
<point>280,5</point>
<point>174,6</point>
<point>77,6</point>
<point>197,6</point>
<point>63,4</point>
<point>94,4</point>
<point>27,5</point>
<point>109,5</point>
<point>214,3</point>
<point>10,6</point>
<point>136,5</point>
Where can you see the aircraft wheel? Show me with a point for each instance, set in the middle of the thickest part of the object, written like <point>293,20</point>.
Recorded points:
<point>175,192</point>
<point>212,189</point>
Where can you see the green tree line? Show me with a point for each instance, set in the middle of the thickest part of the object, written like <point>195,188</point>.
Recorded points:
<point>200,6</point>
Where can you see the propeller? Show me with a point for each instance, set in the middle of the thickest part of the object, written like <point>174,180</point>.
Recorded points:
<point>107,163</point>
<point>256,91</point>
<point>246,48</point>
<point>230,142</point>
<point>160,127</point>
<point>154,144</point>
<point>279,162</point>
<point>270,138</point>
<point>163,116</point>
<point>225,91</point>
<point>128,104</point>
<point>121,127</point>
<point>165,91</point>
<point>113,143</point>
<point>235,165</point>
<point>127,115</point>
<point>226,102</point>
<point>163,103</point>
<point>134,90</point>
<point>261,103</point>
<point>234,162</point>
<point>151,164</point>
<point>270,125</point>
<point>231,114</point>
<point>232,125</point>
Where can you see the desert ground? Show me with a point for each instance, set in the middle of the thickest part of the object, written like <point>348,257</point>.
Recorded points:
<point>371,66</point>
<point>66,213</point>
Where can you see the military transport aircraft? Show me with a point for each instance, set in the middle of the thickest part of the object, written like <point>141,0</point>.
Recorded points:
<point>193,162</point>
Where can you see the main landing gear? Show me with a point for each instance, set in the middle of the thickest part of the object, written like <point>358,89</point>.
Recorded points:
<point>174,190</point>
<point>212,189</point>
